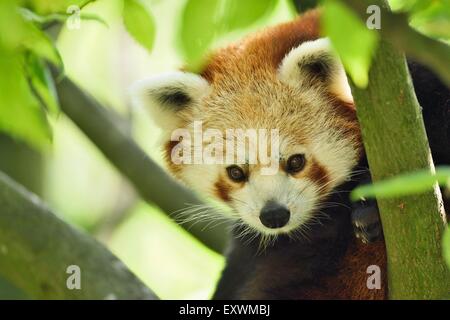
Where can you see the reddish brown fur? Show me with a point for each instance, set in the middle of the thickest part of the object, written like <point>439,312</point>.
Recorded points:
<point>347,112</point>
<point>174,168</point>
<point>351,280</point>
<point>318,173</point>
<point>222,189</point>
<point>264,49</point>
<point>349,283</point>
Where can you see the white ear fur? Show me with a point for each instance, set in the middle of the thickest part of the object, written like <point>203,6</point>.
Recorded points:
<point>294,67</point>
<point>164,95</point>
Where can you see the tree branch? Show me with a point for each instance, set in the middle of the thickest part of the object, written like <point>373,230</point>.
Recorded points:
<point>153,184</point>
<point>395,28</point>
<point>395,142</point>
<point>36,247</point>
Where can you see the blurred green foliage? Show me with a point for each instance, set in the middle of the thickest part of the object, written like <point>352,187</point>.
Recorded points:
<point>40,79</point>
<point>29,92</point>
<point>203,21</point>
<point>433,19</point>
<point>353,41</point>
<point>139,23</point>
<point>20,110</point>
<point>44,7</point>
<point>196,34</point>
<point>356,44</point>
<point>167,259</point>
<point>430,17</point>
<point>21,114</point>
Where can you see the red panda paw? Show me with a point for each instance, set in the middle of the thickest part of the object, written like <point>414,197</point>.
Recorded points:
<point>366,221</point>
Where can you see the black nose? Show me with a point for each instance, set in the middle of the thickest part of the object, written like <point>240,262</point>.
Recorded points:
<point>274,215</point>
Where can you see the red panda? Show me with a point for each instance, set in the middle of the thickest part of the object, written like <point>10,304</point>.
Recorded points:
<point>285,77</point>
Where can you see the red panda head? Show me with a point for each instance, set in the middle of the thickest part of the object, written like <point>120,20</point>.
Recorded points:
<point>304,96</point>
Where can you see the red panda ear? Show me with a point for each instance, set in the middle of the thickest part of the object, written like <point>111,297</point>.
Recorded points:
<point>166,96</point>
<point>314,64</point>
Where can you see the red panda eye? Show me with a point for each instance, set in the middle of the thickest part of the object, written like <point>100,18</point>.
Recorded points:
<point>236,173</point>
<point>295,163</point>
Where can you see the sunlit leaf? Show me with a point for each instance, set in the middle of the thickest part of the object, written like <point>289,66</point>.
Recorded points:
<point>58,17</point>
<point>203,21</point>
<point>446,246</point>
<point>21,115</point>
<point>406,184</point>
<point>433,20</point>
<point>139,23</point>
<point>18,32</point>
<point>353,41</point>
<point>403,5</point>
<point>429,17</point>
<point>31,16</point>
<point>412,6</point>
<point>42,82</point>
<point>52,6</point>
<point>38,42</point>
<point>93,17</point>
<point>10,19</point>
<point>198,28</point>
<point>240,14</point>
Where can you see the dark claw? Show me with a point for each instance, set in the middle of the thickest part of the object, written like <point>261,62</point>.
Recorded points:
<point>366,221</point>
<point>365,216</point>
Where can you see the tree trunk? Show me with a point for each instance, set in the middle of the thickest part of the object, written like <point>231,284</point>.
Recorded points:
<point>395,142</point>
<point>36,248</point>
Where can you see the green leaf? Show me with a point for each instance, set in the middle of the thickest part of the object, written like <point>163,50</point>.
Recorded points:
<point>29,15</point>
<point>139,23</point>
<point>21,115</point>
<point>40,44</point>
<point>44,7</point>
<point>446,246</point>
<point>403,5</point>
<point>10,19</point>
<point>58,17</point>
<point>198,28</point>
<point>353,41</point>
<point>429,17</point>
<point>93,17</point>
<point>26,34</point>
<point>405,184</point>
<point>412,6</point>
<point>203,21</point>
<point>433,20</point>
<point>239,14</point>
<point>41,80</point>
